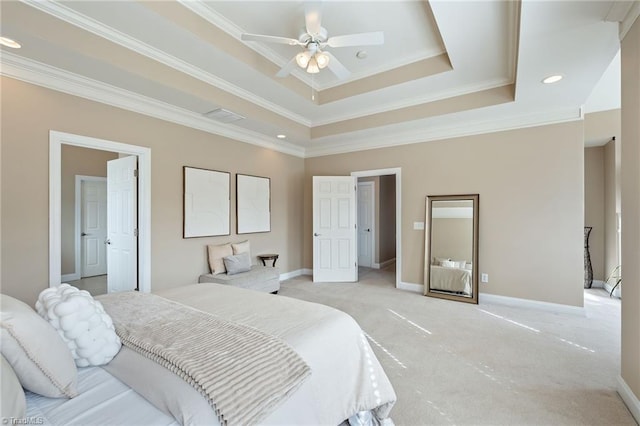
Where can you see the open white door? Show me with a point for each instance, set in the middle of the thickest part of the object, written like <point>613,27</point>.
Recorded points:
<point>93,227</point>
<point>334,229</point>
<point>122,240</point>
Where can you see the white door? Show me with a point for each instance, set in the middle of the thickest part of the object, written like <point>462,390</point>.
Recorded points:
<point>366,222</point>
<point>334,229</point>
<point>122,241</point>
<point>93,227</point>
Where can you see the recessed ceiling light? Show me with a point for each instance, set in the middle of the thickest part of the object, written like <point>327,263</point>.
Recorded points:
<point>552,79</point>
<point>6,41</point>
<point>281,136</point>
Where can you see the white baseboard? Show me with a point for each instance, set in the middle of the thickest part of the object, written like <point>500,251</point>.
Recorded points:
<point>631,401</point>
<point>291,274</point>
<point>384,264</point>
<point>69,277</point>
<point>307,271</point>
<point>417,288</point>
<point>530,304</point>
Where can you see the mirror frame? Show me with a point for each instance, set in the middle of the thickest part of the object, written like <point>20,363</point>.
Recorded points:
<point>475,198</point>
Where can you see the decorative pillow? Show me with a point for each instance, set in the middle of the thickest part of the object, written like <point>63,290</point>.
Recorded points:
<point>216,254</point>
<point>13,404</point>
<point>439,260</point>
<point>448,264</point>
<point>82,322</point>
<point>242,247</point>
<point>460,263</point>
<point>237,263</point>
<point>37,354</point>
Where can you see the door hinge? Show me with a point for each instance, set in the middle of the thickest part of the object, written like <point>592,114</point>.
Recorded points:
<point>135,173</point>
<point>135,232</point>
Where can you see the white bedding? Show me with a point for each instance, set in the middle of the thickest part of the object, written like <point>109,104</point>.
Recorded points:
<point>346,376</point>
<point>455,280</point>
<point>102,399</point>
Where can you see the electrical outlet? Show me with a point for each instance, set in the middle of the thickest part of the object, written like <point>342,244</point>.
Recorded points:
<point>485,278</point>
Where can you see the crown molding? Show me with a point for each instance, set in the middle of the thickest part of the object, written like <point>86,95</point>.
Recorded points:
<point>72,17</point>
<point>431,97</point>
<point>629,19</point>
<point>33,72</point>
<point>435,133</point>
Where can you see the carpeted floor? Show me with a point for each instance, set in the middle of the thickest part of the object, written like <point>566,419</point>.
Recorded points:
<point>454,363</point>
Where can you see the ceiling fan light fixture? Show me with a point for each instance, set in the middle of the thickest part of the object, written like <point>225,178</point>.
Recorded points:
<point>322,59</point>
<point>302,59</point>
<point>313,66</point>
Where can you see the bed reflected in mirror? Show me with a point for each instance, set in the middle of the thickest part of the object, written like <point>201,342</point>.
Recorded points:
<point>451,247</point>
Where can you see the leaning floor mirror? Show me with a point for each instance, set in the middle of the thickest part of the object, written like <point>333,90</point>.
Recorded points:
<point>451,247</point>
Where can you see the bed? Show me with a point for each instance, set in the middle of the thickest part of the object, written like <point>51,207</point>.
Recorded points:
<point>343,382</point>
<point>450,279</point>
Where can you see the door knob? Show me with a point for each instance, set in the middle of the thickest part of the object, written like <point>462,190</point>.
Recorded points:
<point>315,234</point>
<point>368,230</point>
<point>83,234</point>
<point>107,241</point>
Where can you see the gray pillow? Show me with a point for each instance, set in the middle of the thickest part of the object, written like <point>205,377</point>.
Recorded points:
<point>240,262</point>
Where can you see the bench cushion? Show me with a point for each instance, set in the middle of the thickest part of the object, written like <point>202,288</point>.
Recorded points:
<point>261,278</point>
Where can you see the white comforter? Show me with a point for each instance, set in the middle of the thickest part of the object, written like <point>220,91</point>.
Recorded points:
<point>450,279</point>
<point>346,377</point>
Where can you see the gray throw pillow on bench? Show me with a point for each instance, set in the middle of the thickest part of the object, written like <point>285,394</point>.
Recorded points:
<point>240,262</point>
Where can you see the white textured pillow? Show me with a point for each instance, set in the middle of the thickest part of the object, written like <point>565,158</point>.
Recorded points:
<point>37,354</point>
<point>82,322</point>
<point>242,247</point>
<point>13,404</point>
<point>216,254</point>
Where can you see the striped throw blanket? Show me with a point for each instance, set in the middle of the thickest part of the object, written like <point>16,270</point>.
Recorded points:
<point>242,372</point>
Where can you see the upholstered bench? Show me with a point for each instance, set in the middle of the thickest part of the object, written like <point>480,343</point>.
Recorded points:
<point>230,264</point>
<point>261,278</point>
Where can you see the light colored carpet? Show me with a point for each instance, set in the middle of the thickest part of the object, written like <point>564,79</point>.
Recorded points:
<point>454,363</point>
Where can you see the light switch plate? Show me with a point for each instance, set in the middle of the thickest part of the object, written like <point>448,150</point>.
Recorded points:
<point>485,278</point>
<point>418,225</point>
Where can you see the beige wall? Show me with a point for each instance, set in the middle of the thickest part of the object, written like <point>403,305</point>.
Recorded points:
<point>76,161</point>
<point>452,238</point>
<point>530,183</point>
<point>29,112</point>
<point>630,182</point>
<point>611,205</point>
<point>594,205</point>
<point>387,223</point>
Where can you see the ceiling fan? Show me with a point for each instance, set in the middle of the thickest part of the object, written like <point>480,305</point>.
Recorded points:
<point>314,38</point>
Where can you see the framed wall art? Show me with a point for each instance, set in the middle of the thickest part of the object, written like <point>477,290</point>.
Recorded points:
<point>253,204</point>
<point>206,202</point>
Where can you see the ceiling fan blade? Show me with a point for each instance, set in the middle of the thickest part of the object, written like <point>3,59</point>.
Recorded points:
<point>286,70</point>
<point>313,17</point>
<point>362,39</point>
<point>336,66</point>
<point>269,39</point>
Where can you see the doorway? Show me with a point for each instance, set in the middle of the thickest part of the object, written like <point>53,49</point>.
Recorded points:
<point>56,142</point>
<point>386,238</point>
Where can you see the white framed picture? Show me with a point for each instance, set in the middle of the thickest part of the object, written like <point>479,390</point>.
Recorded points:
<point>253,204</point>
<point>206,202</point>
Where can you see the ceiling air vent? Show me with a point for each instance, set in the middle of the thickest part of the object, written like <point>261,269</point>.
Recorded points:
<point>223,115</point>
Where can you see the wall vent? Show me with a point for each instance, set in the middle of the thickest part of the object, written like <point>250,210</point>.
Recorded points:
<point>223,115</point>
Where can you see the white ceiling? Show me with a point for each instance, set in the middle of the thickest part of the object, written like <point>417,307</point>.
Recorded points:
<point>447,68</point>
